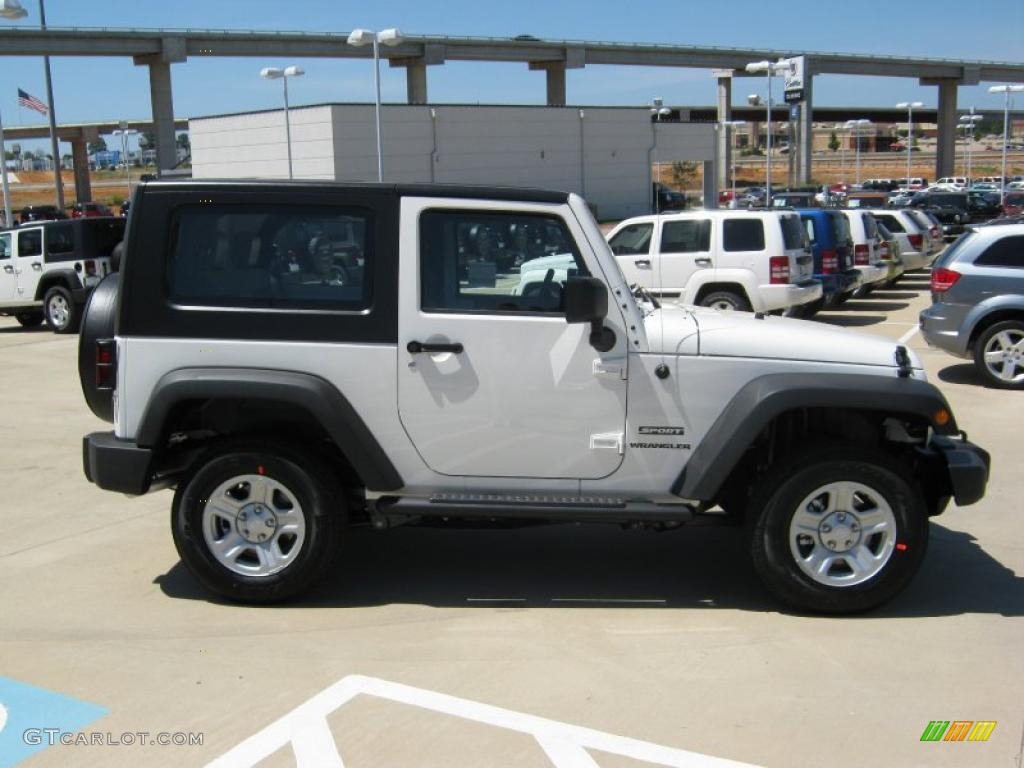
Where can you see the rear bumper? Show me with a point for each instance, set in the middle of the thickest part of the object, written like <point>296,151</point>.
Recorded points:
<point>873,273</point>
<point>840,282</point>
<point>116,465</point>
<point>790,295</point>
<point>941,325</point>
<point>968,467</point>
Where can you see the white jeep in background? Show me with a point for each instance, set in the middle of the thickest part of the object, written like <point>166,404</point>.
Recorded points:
<point>434,383</point>
<point>726,259</point>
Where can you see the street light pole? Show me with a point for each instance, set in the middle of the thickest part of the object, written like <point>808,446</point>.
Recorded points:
<point>731,125</point>
<point>390,37</point>
<point>659,111</point>
<point>909,106</point>
<point>124,132</point>
<point>1006,90</point>
<point>275,73</point>
<point>855,129</point>
<point>968,123</point>
<point>769,69</point>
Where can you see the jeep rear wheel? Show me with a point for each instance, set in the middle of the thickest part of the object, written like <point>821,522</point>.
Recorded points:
<point>60,311</point>
<point>841,532</point>
<point>726,300</point>
<point>257,523</point>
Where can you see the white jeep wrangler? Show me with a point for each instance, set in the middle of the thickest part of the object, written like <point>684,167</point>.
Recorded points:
<point>287,382</point>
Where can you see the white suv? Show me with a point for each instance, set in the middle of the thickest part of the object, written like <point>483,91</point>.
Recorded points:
<point>727,259</point>
<point>868,256</point>
<point>47,269</point>
<point>913,249</point>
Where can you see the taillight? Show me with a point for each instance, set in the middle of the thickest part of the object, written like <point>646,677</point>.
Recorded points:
<point>883,250</point>
<point>943,279</point>
<point>779,266</point>
<point>106,364</point>
<point>861,255</point>
<point>916,240</point>
<point>934,231</point>
<point>90,268</point>
<point>829,262</point>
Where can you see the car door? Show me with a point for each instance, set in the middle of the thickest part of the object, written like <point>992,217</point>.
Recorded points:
<point>8,280</point>
<point>493,382</point>
<point>684,248</point>
<point>632,244</point>
<point>28,262</point>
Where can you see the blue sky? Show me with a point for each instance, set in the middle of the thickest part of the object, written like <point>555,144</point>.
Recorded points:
<point>95,89</point>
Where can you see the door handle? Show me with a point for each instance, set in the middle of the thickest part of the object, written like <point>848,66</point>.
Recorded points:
<point>416,347</point>
<point>643,263</point>
<point>702,262</point>
<point>37,266</point>
<point>8,269</point>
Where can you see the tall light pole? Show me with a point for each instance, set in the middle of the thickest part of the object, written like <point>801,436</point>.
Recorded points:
<point>276,73</point>
<point>3,173</point>
<point>855,127</point>
<point>968,123</point>
<point>124,132</point>
<point>389,37</point>
<point>11,9</point>
<point>769,68</point>
<point>910,106</point>
<point>1006,90</point>
<point>659,110</point>
<point>729,125</point>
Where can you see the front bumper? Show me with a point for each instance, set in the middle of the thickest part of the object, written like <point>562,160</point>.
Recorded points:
<point>968,467</point>
<point>116,465</point>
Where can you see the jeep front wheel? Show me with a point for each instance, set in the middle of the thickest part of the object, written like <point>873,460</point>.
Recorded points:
<point>838,531</point>
<point>257,523</point>
<point>60,311</point>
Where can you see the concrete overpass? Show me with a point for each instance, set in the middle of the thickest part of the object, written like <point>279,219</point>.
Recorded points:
<point>158,49</point>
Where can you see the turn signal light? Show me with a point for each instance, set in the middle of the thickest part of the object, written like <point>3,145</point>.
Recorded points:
<point>943,279</point>
<point>942,417</point>
<point>90,268</point>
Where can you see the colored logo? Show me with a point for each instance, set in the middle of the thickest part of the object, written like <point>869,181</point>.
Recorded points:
<point>958,730</point>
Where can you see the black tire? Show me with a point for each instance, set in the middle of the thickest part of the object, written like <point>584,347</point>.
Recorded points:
<point>1015,331</point>
<point>59,308</point>
<point>29,319</point>
<point>892,283</point>
<point>778,499</point>
<point>806,311</point>
<point>310,482</point>
<point>727,300</point>
<point>842,298</point>
<point>864,291</point>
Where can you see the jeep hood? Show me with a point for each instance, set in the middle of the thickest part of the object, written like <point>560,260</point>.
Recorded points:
<point>695,330</point>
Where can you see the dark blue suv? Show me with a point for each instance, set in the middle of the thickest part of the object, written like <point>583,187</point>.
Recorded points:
<point>829,234</point>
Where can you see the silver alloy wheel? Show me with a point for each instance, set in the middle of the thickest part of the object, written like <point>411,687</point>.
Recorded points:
<point>253,525</point>
<point>1004,356</point>
<point>58,311</point>
<point>842,534</point>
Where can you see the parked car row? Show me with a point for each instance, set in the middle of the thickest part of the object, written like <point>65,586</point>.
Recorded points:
<point>34,213</point>
<point>796,261</point>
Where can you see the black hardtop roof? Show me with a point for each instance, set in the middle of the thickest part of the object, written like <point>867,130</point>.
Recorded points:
<point>515,194</point>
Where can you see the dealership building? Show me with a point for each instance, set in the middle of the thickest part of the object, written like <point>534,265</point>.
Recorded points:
<point>607,154</point>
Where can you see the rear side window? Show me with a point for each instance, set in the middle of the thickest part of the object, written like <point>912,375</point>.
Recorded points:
<point>495,262</point>
<point>743,235</point>
<point>5,246</point>
<point>891,222</point>
<point>792,232</point>
<point>870,228</point>
<point>271,257</point>
<point>105,234</point>
<point>632,240</point>
<point>1004,252</point>
<point>30,243</point>
<point>810,229</point>
<point>688,236</point>
<point>60,242</point>
<point>840,229</point>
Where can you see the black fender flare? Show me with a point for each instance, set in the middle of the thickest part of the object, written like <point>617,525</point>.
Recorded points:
<point>66,277</point>
<point>761,400</point>
<point>316,395</point>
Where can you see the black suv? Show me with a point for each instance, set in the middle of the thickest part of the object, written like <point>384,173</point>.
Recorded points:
<point>953,210</point>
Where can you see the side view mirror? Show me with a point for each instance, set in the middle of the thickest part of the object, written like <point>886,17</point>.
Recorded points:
<point>586,301</point>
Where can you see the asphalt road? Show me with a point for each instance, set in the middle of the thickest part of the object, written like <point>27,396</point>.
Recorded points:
<point>665,638</point>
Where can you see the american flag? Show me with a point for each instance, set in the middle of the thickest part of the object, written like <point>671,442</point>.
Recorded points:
<point>30,101</point>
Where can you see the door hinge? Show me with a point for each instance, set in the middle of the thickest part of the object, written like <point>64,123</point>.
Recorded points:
<point>607,440</point>
<point>602,368</point>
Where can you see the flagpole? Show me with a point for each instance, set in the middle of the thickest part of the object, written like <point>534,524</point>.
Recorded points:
<point>3,163</point>
<point>54,148</point>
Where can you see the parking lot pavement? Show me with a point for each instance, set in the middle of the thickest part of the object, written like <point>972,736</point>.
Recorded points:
<point>663,638</point>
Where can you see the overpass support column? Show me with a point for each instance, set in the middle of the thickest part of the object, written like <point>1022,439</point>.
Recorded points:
<point>725,135</point>
<point>555,72</point>
<point>171,50</point>
<point>806,128</point>
<point>416,83</point>
<point>80,160</point>
<point>945,146</point>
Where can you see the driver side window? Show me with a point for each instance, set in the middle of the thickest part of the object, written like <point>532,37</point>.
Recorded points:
<point>484,261</point>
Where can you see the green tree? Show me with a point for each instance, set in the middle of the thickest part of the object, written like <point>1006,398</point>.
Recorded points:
<point>833,142</point>
<point>97,146</point>
<point>183,141</point>
<point>147,140</point>
<point>684,173</point>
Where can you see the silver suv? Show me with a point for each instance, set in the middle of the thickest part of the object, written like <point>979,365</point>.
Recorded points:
<point>978,302</point>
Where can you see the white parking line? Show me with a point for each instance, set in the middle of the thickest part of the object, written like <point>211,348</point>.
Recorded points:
<point>909,334</point>
<point>306,730</point>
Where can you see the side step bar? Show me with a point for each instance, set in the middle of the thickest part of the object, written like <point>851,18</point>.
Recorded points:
<point>567,510</point>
